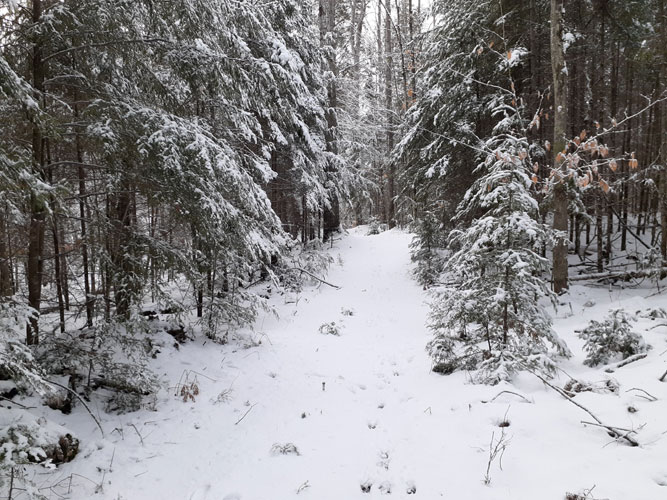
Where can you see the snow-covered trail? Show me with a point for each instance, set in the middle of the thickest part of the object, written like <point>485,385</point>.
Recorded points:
<point>362,409</point>
<point>349,403</point>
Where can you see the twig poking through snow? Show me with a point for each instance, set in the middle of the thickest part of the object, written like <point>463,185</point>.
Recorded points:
<point>141,438</point>
<point>303,486</point>
<point>496,449</point>
<point>508,392</point>
<point>648,396</point>
<point>243,416</point>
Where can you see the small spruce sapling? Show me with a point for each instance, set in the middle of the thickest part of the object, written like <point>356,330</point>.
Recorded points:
<point>489,317</point>
<point>426,247</point>
<point>611,338</point>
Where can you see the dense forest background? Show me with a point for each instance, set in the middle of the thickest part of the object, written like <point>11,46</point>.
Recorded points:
<point>170,156</point>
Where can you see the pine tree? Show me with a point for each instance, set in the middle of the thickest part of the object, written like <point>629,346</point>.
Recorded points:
<point>490,316</point>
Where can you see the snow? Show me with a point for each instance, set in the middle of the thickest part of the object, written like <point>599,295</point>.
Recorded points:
<point>364,411</point>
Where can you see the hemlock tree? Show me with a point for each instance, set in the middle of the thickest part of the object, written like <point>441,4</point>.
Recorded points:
<point>490,317</point>
<point>450,114</point>
<point>142,156</point>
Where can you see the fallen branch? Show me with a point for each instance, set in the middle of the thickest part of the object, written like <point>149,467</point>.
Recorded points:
<point>17,404</point>
<point>560,391</point>
<point>606,426</point>
<point>627,361</point>
<point>243,416</point>
<point>316,277</point>
<point>662,379</point>
<point>508,392</point>
<point>73,393</point>
<point>624,275</point>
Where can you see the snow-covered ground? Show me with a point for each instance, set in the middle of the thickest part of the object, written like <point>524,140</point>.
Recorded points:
<point>365,413</point>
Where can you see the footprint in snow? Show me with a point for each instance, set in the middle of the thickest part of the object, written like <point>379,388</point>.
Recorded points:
<point>385,488</point>
<point>366,486</point>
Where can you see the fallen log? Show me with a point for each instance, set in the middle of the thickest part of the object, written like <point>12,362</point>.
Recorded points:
<point>627,361</point>
<point>622,275</point>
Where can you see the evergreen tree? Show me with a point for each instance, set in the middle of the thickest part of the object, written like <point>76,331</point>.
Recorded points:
<point>490,316</point>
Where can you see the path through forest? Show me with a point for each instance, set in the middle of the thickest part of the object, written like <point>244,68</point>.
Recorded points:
<point>362,409</point>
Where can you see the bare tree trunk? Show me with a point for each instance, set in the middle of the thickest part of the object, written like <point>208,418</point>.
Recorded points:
<point>662,10</point>
<point>388,81</point>
<point>37,205</point>
<point>598,229</point>
<point>81,174</point>
<point>6,288</point>
<point>560,272</point>
<point>124,268</point>
<point>56,246</point>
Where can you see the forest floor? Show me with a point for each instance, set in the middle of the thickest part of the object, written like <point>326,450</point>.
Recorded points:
<point>291,413</point>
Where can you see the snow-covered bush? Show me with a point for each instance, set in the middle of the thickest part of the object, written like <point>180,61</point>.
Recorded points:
<point>25,439</point>
<point>227,311</point>
<point>426,247</point>
<point>375,227</point>
<point>611,338</point>
<point>112,355</point>
<point>331,328</point>
<point>285,449</point>
<point>16,359</point>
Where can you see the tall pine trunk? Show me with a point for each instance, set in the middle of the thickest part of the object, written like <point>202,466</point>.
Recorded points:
<point>560,271</point>
<point>37,206</point>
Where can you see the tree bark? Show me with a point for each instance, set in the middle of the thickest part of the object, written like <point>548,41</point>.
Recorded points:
<point>388,81</point>
<point>6,289</point>
<point>663,146</point>
<point>560,272</point>
<point>37,205</point>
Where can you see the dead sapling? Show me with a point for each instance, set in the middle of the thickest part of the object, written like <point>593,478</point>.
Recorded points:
<point>496,451</point>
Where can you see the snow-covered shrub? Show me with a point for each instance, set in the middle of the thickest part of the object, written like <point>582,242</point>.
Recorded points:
<point>609,385</point>
<point>426,247</point>
<point>112,356</point>
<point>331,328</point>
<point>657,313</point>
<point>611,338</point>
<point>374,227</point>
<point>299,267</point>
<point>26,439</point>
<point>16,359</point>
<point>285,449</point>
<point>226,312</point>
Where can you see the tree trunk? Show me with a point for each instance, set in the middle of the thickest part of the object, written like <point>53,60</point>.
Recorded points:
<point>6,288</point>
<point>37,205</point>
<point>560,271</point>
<point>327,14</point>
<point>388,84</point>
<point>663,146</point>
